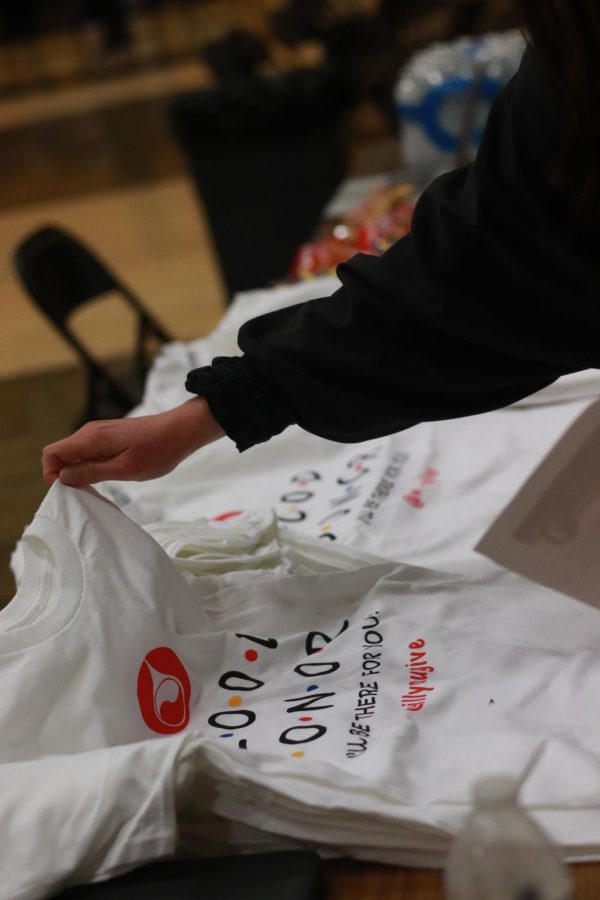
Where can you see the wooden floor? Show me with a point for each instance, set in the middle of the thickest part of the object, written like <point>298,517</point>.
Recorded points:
<point>92,138</point>
<point>347,880</point>
<point>35,410</point>
<point>156,240</point>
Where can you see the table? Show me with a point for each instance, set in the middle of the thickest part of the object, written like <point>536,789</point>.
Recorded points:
<point>350,880</point>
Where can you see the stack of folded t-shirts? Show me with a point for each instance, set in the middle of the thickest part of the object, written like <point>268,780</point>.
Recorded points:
<point>349,710</point>
<point>249,545</point>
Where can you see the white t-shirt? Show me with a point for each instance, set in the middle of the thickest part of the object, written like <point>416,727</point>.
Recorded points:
<point>249,545</point>
<point>351,710</point>
<point>83,816</point>
<point>423,496</point>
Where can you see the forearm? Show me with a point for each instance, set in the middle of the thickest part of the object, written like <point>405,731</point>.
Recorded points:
<point>195,425</point>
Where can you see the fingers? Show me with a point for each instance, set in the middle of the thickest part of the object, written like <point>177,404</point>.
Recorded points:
<point>51,467</point>
<point>91,471</point>
<point>94,442</point>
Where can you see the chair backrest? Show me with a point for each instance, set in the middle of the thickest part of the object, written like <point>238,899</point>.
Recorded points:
<point>60,273</point>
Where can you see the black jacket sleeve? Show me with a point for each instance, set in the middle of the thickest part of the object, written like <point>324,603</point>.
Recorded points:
<point>494,294</point>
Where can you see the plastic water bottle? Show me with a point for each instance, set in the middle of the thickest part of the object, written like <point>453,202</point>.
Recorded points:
<point>502,854</point>
<point>444,93</point>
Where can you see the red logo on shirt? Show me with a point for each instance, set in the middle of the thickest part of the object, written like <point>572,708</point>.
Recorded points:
<point>226,515</point>
<point>415,497</point>
<point>163,689</point>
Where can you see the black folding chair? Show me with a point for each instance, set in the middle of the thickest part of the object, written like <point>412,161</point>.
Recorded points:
<point>60,274</point>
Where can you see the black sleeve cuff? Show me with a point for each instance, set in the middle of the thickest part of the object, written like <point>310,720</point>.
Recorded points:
<point>247,406</point>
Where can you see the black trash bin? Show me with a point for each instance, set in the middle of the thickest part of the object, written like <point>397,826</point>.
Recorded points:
<point>266,154</point>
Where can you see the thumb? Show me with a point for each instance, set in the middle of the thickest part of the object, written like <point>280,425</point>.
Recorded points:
<point>89,471</point>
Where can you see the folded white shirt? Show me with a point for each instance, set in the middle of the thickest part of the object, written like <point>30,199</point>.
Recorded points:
<point>74,818</point>
<point>350,710</point>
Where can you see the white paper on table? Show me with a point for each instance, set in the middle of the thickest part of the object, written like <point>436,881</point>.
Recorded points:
<point>550,531</point>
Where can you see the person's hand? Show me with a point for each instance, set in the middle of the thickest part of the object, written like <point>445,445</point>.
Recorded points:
<point>131,449</point>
